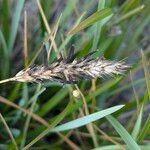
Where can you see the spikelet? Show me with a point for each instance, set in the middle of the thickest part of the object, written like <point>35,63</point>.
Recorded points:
<point>71,71</point>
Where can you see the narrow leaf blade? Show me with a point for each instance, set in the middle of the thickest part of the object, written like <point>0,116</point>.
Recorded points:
<point>99,15</point>
<point>15,23</point>
<point>131,144</point>
<point>145,130</point>
<point>137,126</point>
<point>86,119</point>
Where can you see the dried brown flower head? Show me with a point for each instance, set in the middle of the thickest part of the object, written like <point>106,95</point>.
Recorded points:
<point>71,71</point>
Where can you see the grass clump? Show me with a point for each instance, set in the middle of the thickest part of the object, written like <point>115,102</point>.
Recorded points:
<point>77,115</point>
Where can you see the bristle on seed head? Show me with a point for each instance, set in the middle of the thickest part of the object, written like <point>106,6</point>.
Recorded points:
<point>69,72</point>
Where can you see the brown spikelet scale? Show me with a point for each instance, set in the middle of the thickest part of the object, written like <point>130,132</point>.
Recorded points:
<point>69,72</point>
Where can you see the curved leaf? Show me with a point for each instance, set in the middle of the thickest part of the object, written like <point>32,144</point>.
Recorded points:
<point>86,119</point>
<point>99,15</point>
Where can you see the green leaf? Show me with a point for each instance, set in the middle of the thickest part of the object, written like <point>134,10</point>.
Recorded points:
<point>99,91</point>
<point>126,137</point>
<point>36,95</point>
<point>68,10</point>
<point>129,14</point>
<point>128,5</point>
<point>5,55</point>
<point>98,26</point>
<point>4,45</point>
<point>137,126</point>
<point>86,119</point>
<point>50,104</point>
<point>120,147</point>
<point>34,99</point>
<point>52,125</point>
<point>145,130</point>
<point>5,11</point>
<point>99,15</point>
<point>127,86</point>
<point>144,21</point>
<point>146,72</point>
<point>15,23</point>
<point>68,38</point>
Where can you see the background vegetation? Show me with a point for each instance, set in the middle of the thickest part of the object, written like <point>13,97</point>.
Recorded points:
<point>29,113</point>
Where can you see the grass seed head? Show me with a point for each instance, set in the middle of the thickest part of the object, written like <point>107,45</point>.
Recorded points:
<point>71,71</point>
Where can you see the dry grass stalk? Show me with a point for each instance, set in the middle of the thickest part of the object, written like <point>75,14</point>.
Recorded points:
<point>70,71</point>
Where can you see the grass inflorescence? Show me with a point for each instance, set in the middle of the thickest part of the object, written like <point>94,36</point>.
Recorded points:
<point>68,71</point>
<point>95,109</point>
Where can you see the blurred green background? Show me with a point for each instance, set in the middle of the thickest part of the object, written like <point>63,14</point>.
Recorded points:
<point>118,30</point>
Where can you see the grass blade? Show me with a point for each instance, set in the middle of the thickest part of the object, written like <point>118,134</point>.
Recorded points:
<point>98,26</point>
<point>15,23</point>
<point>4,45</point>
<point>129,14</point>
<point>99,91</point>
<point>68,38</point>
<point>5,55</point>
<point>128,5</point>
<point>28,119</point>
<point>86,119</point>
<point>54,123</point>
<point>145,130</point>
<point>9,131</point>
<point>26,111</point>
<point>127,138</point>
<point>5,10</point>
<point>99,15</point>
<point>50,104</point>
<point>146,72</point>
<point>117,147</point>
<point>94,94</point>
<point>137,126</point>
